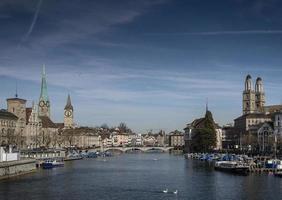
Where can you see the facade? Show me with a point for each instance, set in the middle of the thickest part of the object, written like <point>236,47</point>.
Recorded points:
<point>149,140</point>
<point>8,122</point>
<point>244,122</point>
<point>138,140</point>
<point>17,106</point>
<point>265,137</point>
<point>161,138</point>
<point>230,137</point>
<point>278,123</point>
<point>120,139</point>
<point>176,140</point>
<point>33,127</point>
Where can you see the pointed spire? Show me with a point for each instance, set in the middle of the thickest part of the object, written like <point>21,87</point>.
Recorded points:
<point>207,104</point>
<point>69,105</point>
<point>16,90</point>
<point>44,94</point>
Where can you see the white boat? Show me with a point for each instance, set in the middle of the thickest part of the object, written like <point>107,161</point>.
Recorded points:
<point>235,167</point>
<point>51,164</point>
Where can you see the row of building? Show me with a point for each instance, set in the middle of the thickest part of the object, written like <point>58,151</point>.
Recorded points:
<point>32,127</point>
<point>258,129</point>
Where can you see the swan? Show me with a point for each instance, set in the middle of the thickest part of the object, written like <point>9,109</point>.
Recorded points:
<point>165,191</point>
<point>176,192</point>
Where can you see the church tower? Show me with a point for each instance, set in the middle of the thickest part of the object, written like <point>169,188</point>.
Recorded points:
<point>260,96</point>
<point>249,97</point>
<point>44,103</point>
<point>68,116</point>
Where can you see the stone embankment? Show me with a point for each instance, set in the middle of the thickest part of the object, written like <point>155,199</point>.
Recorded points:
<point>16,168</point>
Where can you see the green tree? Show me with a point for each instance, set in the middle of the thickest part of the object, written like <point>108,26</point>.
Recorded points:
<point>204,138</point>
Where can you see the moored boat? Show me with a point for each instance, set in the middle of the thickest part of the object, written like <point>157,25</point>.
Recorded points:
<point>234,167</point>
<point>51,164</point>
<point>278,174</point>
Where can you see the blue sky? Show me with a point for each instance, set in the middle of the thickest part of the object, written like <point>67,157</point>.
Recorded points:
<point>149,63</point>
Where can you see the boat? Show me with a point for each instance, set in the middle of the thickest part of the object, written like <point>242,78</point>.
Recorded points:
<point>234,167</point>
<point>278,174</point>
<point>273,164</point>
<point>48,164</point>
<point>92,155</point>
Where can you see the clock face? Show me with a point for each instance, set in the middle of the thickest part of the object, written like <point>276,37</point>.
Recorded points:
<point>68,113</point>
<point>41,103</point>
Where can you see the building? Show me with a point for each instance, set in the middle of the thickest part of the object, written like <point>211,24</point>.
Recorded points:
<point>176,140</point>
<point>253,99</point>
<point>230,137</point>
<point>33,127</point>
<point>161,138</point>
<point>85,137</point>
<point>191,130</point>
<point>149,140</point>
<point>244,122</point>
<point>259,124</point>
<point>44,106</point>
<point>120,139</point>
<point>265,137</point>
<point>8,122</point>
<point>68,114</point>
<point>17,106</point>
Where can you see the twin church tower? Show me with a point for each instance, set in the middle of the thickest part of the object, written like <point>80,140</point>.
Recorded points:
<point>253,99</point>
<point>44,104</point>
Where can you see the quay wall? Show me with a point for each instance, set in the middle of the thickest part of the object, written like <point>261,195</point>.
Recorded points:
<point>16,168</point>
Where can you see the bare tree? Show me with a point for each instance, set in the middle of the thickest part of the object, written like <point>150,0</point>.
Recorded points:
<point>123,128</point>
<point>69,136</point>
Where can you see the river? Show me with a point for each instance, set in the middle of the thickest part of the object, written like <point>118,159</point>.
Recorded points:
<point>139,176</point>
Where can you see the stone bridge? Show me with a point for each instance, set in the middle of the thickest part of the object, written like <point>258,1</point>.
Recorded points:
<point>143,149</point>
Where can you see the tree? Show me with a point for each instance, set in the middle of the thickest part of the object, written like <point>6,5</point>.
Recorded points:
<point>123,128</point>
<point>105,126</point>
<point>204,138</point>
<point>69,136</point>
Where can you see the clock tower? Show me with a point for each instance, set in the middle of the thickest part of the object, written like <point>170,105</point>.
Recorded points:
<point>68,114</point>
<point>44,103</point>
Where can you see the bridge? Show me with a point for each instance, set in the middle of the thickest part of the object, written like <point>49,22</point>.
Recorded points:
<point>143,149</point>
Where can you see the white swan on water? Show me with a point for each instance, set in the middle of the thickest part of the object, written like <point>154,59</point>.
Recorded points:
<point>165,191</point>
<point>176,192</point>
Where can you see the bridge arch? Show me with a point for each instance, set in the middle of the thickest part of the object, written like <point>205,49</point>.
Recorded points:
<point>134,149</point>
<point>113,149</point>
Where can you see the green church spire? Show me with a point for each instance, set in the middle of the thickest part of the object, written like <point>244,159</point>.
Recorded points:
<point>44,94</point>
<point>44,103</point>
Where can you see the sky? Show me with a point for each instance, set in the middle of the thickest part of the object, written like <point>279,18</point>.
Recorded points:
<point>149,63</point>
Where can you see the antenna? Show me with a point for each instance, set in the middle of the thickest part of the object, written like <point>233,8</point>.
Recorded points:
<point>207,104</point>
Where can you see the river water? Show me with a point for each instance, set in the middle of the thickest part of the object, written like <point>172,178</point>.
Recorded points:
<point>139,176</point>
